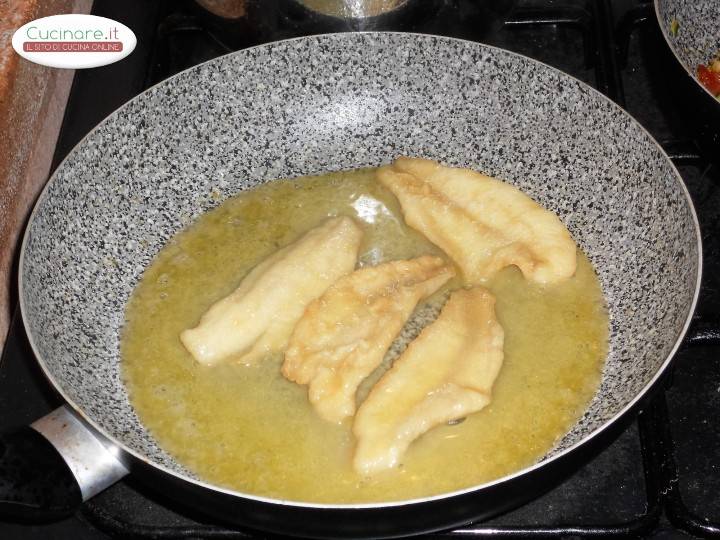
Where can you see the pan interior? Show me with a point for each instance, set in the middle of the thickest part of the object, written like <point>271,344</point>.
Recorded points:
<point>339,102</point>
<point>697,39</point>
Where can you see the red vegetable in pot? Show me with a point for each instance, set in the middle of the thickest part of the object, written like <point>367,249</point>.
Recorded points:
<point>709,78</point>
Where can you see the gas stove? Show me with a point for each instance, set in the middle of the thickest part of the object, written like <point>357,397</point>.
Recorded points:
<point>659,477</point>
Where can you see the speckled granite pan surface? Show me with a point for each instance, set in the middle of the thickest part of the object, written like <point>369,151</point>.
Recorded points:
<point>343,101</point>
<point>697,39</point>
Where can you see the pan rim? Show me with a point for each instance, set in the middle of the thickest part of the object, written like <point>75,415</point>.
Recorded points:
<point>372,505</point>
<point>671,46</point>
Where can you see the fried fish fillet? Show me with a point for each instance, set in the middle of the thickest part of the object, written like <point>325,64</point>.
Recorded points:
<point>446,373</point>
<point>482,223</point>
<point>344,335</point>
<point>259,316</point>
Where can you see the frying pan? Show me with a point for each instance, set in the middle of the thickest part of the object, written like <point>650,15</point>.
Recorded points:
<point>696,42</point>
<point>307,106</point>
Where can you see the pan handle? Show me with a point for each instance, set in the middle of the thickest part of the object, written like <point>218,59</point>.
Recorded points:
<point>49,468</point>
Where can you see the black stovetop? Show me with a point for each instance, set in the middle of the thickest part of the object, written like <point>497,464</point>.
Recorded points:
<point>660,477</point>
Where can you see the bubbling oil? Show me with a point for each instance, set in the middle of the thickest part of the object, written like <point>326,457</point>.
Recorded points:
<point>250,429</point>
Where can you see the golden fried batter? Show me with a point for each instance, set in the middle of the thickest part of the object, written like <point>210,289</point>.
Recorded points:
<point>446,373</point>
<point>344,335</point>
<point>482,223</point>
<point>259,316</point>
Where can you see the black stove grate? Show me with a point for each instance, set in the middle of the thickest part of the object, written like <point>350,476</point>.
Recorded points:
<point>658,477</point>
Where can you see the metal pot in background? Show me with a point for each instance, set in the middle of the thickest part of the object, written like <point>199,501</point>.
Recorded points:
<point>342,9</point>
<point>243,23</point>
<point>319,16</point>
<point>238,20</point>
<point>354,9</point>
<point>240,24</point>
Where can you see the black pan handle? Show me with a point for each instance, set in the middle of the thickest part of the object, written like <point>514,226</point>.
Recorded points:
<point>48,469</point>
<point>35,482</point>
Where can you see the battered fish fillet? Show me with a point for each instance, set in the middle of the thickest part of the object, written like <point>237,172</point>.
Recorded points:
<point>344,335</point>
<point>446,373</point>
<point>482,223</point>
<point>259,316</point>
